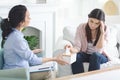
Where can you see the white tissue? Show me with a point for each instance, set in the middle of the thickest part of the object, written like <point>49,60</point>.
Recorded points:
<point>67,52</point>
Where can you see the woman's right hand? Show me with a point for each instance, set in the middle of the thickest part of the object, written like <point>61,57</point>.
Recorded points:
<point>70,47</point>
<point>60,60</point>
<point>67,46</point>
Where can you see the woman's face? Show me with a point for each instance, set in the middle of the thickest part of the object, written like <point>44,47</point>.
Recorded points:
<point>27,18</point>
<point>93,23</point>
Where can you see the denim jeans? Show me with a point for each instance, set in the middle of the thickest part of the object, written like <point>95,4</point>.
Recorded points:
<point>94,60</point>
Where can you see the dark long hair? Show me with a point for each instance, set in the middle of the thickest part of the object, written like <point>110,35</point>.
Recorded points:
<point>15,16</point>
<point>100,15</point>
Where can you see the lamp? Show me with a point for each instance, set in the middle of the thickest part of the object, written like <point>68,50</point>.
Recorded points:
<point>111,8</point>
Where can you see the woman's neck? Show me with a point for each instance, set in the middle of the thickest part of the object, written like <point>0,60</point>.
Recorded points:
<point>19,28</point>
<point>93,32</point>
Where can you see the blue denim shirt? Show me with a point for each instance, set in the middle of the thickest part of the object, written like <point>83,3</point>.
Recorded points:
<point>17,52</point>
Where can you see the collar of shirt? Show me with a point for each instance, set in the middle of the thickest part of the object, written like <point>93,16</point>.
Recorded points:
<point>19,32</point>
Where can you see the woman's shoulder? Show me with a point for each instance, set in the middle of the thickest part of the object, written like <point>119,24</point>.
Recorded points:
<point>16,36</point>
<point>82,26</point>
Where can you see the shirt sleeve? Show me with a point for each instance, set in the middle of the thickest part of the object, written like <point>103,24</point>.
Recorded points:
<point>77,40</point>
<point>22,50</point>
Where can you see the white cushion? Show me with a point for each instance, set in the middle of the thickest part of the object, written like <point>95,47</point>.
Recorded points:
<point>118,32</point>
<point>112,35</point>
<point>69,33</point>
<point>112,42</point>
<point>60,44</point>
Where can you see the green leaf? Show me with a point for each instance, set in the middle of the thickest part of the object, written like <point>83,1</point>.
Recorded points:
<point>33,41</point>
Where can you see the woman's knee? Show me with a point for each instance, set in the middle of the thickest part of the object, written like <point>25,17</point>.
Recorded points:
<point>95,55</point>
<point>79,56</point>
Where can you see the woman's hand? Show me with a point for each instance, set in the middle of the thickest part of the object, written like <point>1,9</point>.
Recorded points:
<point>37,51</point>
<point>68,47</point>
<point>102,27</point>
<point>60,60</point>
<point>71,48</point>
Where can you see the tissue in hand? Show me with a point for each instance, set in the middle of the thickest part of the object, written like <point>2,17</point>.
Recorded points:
<point>70,58</point>
<point>67,52</point>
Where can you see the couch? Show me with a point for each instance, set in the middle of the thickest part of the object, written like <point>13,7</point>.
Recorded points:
<point>112,48</point>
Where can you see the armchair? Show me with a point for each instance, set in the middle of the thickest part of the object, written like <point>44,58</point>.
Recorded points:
<point>12,74</point>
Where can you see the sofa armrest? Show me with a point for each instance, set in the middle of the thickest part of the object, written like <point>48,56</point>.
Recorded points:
<point>61,43</point>
<point>18,73</point>
<point>4,78</point>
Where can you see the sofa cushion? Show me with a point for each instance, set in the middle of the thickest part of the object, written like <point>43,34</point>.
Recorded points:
<point>118,32</point>
<point>69,33</point>
<point>112,35</point>
<point>1,59</point>
<point>112,42</point>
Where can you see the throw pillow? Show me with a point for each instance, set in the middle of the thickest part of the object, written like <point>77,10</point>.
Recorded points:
<point>69,33</point>
<point>111,48</point>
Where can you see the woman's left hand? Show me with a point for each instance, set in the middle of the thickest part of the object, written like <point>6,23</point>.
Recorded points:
<point>37,50</point>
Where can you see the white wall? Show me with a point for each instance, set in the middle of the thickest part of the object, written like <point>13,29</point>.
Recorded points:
<point>68,12</point>
<point>71,12</point>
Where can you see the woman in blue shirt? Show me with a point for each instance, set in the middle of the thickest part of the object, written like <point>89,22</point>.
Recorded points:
<point>16,50</point>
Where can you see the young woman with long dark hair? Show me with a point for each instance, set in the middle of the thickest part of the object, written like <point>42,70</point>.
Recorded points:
<point>90,40</point>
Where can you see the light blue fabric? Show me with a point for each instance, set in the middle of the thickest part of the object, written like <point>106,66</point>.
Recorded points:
<point>17,52</point>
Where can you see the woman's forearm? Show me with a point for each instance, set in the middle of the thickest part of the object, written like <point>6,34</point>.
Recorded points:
<point>100,42</point>
<point>48,59</point>
<point>59,59</point>
<point>74,50</point>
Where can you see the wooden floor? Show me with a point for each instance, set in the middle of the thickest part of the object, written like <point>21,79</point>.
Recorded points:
<point>111,72</point>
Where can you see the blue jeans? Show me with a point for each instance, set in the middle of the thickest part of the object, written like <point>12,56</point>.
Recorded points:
<point>94,60</point>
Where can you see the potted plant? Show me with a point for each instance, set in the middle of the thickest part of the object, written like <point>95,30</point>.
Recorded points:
<point>32,40</point>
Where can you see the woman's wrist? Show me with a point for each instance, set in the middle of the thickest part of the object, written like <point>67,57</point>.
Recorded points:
<point>74,50</point>
<point>102,33</point>
<point>54,59</point>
